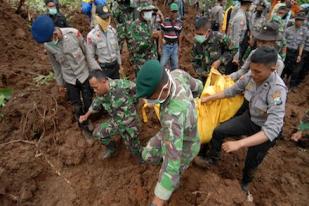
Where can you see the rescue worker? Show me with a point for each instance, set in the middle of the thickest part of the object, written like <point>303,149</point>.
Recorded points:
<point>294,36</point>
<point>261,123</point>
<point>54,13</point>
<point>89,9</point>
<point>102,43</point>
<point>210,49</point>
<point>171,28</point>
<point>66,50</point>
<point>268,36</point>
<point>141,44</point>
<point>117,97</point>
<point>238,24</point>
<point>217,15</point>
<point>177,143</point>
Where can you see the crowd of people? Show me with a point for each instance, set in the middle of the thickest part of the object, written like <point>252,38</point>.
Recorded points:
<point>262,46</point>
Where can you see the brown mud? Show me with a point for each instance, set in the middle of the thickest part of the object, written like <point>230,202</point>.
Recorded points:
<point>45,160</point>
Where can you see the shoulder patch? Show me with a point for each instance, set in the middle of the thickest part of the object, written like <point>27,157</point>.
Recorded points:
<point>277,97</point>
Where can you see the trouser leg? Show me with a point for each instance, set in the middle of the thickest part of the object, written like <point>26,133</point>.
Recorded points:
<point>240,125</point>
<point>254,158</point>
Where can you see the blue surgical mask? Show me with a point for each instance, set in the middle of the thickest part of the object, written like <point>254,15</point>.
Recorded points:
<point>52,11</point>
<point>200,38</point>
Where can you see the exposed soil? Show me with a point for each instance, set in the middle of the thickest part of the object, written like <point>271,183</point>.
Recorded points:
<point>45,160</point>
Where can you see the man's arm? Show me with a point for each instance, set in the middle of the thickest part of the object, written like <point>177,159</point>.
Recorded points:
<point>90,54</point>
<point>243,70</point>
<point>172,131</point>
<point>196,86</point>
<point>56,68</point>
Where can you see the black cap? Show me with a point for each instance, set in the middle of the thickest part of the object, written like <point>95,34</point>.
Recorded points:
<point>102,11</point>
<point>269,32</point>
<point>261,3</point>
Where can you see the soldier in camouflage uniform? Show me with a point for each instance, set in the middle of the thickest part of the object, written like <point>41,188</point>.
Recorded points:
<point>141,44</point>
<point>117,97</point>
<point>123,14</point>
<point>210,49</point>
<point>281,44</point>
<point>177,143</point>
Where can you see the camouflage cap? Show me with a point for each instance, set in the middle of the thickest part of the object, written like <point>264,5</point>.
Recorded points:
<point>148,78</point>
<point>145,7</point>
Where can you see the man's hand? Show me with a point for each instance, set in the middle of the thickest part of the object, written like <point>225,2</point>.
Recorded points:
<point>231,146</point>
<point>207,99</point>
<point>157,202</point>
<point>83,118</point>
<point>298,59</point>
<point>216,64</point>
<point>156,34</point>
<point>297,136</point>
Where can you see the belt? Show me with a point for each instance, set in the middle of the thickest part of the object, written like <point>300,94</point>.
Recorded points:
<point>171,43</point>
<point>108,65</point>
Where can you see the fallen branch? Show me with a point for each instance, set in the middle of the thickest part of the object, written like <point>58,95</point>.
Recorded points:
<point>18,141</point>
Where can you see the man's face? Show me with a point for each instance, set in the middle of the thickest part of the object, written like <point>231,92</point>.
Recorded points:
<point>203,30</point>
<point>262,43</point>
<point>299,23</point>
<point>51,5</point>
<point>173,14</point>
<point>260,72</point>
<point>99,86</point>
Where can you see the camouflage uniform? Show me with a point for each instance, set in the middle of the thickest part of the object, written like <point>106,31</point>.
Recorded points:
<point>120,104</point>
<point>140,43</point>
<point>280,44</point>
<point>123,14</point>
<point>217,46</point>
<point>177,142</point>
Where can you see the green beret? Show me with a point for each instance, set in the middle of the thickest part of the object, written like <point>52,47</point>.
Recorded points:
<point>148,78</point>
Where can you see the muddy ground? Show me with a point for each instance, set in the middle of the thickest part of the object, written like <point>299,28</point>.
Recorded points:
<point>44,159</point>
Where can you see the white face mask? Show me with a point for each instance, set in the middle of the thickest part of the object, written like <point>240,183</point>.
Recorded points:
<point>147,15</point>
<point>168,84</point>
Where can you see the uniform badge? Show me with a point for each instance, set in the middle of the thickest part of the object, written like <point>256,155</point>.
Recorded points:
<point>277,98</point>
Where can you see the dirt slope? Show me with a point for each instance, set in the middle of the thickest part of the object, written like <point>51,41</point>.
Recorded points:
<point>44,160</point>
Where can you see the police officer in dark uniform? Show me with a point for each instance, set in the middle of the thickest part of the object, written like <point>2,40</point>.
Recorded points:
<point>261,123</point>
<point>54,13</point>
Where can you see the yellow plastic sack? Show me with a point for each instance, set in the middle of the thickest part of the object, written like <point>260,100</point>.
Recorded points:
<point>147,105</point>
<point>211,114</point>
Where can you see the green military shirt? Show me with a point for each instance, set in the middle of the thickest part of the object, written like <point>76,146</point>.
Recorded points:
<point>119,102</point>
<point>140,43</point>
<point>217,46</point>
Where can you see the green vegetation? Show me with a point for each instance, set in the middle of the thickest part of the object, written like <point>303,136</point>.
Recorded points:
<point>43,79</point>
<point>5,95</point>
